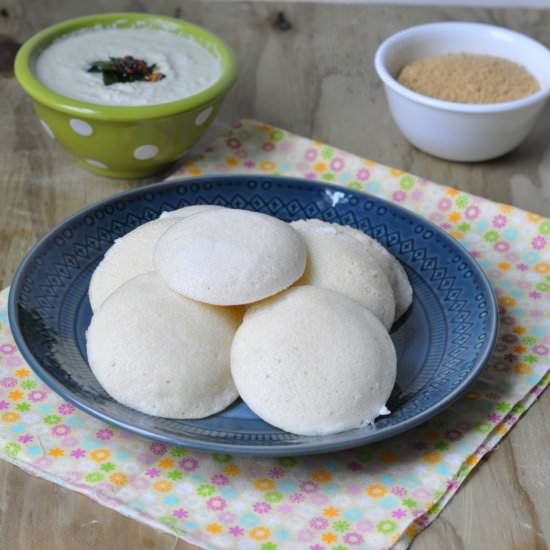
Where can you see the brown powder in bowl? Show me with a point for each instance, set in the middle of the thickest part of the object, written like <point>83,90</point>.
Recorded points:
<point>468,78</point>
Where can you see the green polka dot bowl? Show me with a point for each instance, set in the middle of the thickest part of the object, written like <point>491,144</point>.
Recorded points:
<point>120,141</point>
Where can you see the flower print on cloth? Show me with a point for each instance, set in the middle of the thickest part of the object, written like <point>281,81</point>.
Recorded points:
<point>379,496</point>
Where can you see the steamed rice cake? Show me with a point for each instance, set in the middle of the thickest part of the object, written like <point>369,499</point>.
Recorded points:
<point>161,353</point>
<point>312,361</point>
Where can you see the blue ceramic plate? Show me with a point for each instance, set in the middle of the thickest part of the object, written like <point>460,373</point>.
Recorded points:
<point>442,342</point>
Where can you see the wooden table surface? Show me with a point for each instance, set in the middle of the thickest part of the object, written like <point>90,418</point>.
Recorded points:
<point>315,78</point>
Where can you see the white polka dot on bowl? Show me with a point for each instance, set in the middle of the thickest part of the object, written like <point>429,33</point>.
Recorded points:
<point>47,129</point>
<point>80,127</point>
<point>145,152</point>
<point>97,164</point>
<point>203,116</point>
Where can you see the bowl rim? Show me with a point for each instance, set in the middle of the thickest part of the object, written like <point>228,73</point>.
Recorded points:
<point>395,39</point>
<point>44,95</point>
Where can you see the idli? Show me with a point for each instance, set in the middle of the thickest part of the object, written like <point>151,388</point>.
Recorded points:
<point>312,361</point>
<point>188,211</point>
<point>132,254</point>
<point>230,257</point>
<point>129,256</point>
<point>161,353</point>
<point>392,267</point>
<point>339,262</point>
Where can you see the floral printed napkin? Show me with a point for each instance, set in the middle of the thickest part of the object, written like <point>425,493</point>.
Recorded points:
<point>371,498</point>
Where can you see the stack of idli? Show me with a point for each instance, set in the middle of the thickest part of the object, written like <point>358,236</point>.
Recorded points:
<point>206,304</point>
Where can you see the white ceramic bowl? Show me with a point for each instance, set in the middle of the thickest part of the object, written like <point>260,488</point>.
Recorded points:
<point>462,131</point>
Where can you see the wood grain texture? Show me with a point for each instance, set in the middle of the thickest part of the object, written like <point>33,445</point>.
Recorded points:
<point>315,77</point>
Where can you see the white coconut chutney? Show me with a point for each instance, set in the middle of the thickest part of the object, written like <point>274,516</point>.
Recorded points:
<point>189,68</point>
